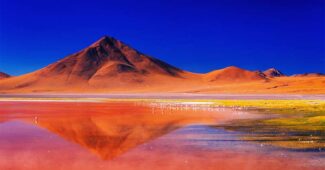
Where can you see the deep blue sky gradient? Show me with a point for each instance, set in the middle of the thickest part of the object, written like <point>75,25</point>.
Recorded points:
<point>198,36</point>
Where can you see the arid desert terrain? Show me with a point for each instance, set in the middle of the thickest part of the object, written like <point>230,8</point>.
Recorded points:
<point>111,66</point>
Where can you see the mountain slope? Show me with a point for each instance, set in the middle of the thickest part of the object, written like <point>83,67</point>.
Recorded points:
<point>4,75</point>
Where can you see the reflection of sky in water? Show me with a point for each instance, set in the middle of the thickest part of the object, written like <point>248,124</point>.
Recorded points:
<point>213,139</point>
<point>184,143</point>
<point>208,139</point>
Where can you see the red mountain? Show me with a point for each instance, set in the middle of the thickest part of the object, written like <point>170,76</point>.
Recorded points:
<point>106,63</point>
<point>108,57</point>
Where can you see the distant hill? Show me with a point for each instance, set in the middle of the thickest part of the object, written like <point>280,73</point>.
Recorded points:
<point>273,72</point>
<point>233,73</point>
<point>309,75</point>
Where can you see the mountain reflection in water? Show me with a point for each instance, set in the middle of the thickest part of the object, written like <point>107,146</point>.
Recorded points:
<point>111,130</point>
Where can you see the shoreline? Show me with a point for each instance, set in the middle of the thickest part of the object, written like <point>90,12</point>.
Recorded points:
<point>169,96</point>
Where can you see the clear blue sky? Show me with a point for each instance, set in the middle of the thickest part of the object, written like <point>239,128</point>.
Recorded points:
<point>198,36</point>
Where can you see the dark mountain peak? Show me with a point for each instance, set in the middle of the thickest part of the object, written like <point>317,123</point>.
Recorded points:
<point>272,69</point>
<point>105,40</point>
<point>107,45</point>
<point>273,72</point>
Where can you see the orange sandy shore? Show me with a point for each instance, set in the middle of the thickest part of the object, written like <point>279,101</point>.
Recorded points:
<point>279,85</point>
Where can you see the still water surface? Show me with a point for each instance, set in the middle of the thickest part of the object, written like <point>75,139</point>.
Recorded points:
<point>130,135</point>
